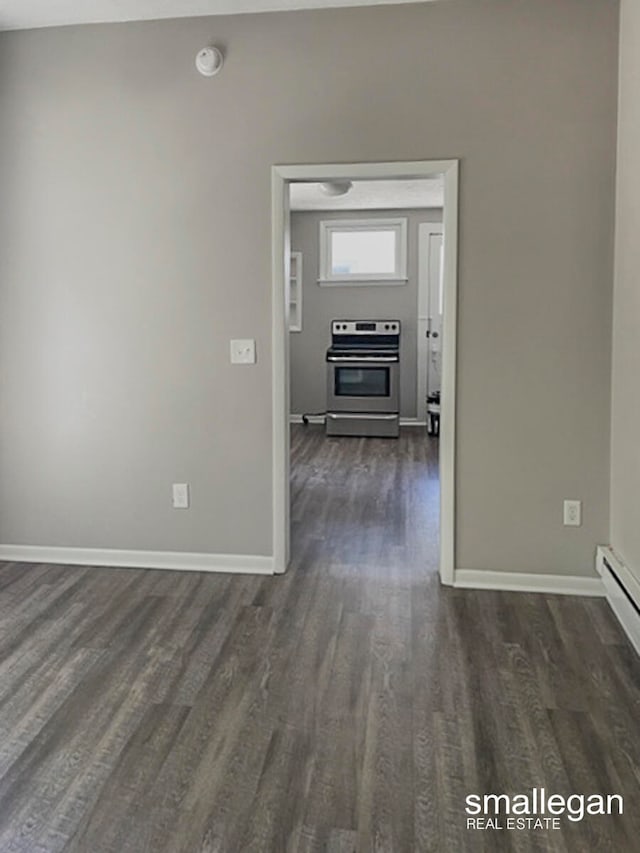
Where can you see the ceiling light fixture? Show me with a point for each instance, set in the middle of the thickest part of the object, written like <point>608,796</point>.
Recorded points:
<point>209,61</point>
<point>336,188</point>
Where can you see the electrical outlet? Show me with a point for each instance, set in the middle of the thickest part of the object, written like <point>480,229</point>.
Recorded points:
<point>243,351</point>
<point>180,495</point>
<point>572,513</point>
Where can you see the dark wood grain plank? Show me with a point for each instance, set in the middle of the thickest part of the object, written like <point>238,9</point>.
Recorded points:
<point>348,706</point>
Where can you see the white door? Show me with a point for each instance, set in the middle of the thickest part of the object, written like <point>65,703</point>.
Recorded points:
<point>430,304</point>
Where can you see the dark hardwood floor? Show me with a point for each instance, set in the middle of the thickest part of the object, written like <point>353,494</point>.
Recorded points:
<point>350,705</point>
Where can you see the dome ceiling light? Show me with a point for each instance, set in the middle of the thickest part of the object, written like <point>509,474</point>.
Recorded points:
<point>336,188</point>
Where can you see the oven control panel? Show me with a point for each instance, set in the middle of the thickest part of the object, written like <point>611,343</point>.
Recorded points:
<point>365,327</point>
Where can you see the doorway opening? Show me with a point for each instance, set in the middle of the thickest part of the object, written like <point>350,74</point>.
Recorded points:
<point>351,266</point>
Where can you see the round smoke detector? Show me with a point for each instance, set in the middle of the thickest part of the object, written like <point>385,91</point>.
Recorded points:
<point>209,61</point>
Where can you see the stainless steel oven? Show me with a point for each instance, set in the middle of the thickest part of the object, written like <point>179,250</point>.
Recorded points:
<point>367,384</point>
<point>363,378</point>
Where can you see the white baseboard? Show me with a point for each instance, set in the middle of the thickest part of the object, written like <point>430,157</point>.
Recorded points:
<point>313,419</point>
<point>174,560</point>
<point>622,589</point>
<point>319,419</point>
<point>517,582</point>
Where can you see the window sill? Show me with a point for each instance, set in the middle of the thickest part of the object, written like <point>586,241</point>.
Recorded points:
<point>368,282</point>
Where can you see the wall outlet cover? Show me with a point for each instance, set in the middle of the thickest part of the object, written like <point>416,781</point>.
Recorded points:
<point>572,513</point>
<point>243,351</point>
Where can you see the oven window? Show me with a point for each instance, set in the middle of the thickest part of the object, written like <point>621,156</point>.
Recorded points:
<point>362,381</point>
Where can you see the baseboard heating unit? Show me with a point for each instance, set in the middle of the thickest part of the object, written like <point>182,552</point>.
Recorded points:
<point>622,588</point>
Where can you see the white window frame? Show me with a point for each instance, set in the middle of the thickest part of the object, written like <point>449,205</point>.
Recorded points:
<point>398,276</point>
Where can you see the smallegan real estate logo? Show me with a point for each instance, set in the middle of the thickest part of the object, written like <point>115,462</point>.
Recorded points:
<point>536,810</point>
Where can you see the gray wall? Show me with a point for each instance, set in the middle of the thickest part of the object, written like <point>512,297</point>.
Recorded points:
<point>135,241</point>
<point>321,305</point>
<point>625,434</point>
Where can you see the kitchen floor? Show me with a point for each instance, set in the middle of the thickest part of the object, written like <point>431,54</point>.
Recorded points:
<point>349,705</point>
<point>366,505</point>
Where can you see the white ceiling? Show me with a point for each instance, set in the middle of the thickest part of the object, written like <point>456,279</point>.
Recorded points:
<point>371,195</point>
<point>28,14</point>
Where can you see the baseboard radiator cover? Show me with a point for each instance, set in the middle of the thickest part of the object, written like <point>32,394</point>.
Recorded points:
<point>523,582</point>
<point>622,589</point>
<point>112,558</point>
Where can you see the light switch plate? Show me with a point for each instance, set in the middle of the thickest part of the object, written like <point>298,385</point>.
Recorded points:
<point>180,495</point>
<point>243,351</point>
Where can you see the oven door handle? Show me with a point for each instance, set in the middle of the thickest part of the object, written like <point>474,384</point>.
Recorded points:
<point>340,359</point>
<point>358,416</point>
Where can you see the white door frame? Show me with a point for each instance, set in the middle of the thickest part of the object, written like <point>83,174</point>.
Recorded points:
<point>281,176</point>
<point>425,229</point>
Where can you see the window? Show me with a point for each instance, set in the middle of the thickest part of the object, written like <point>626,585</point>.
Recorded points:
<point>363,251</point>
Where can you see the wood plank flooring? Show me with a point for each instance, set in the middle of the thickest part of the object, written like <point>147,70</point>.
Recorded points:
<point>349,705</point>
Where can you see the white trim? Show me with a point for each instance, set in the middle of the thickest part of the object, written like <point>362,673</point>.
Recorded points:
<point>393,170</point>
<point>280,386</point>
<point>174,560</point>
<point>399,227</point>
<point>425,230</point>
<point>619,602</point>
<point>412,422</point>
<point>517,582</point>
<point>447,432</point>
<point>366,281</point>
<point>280,177</point>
